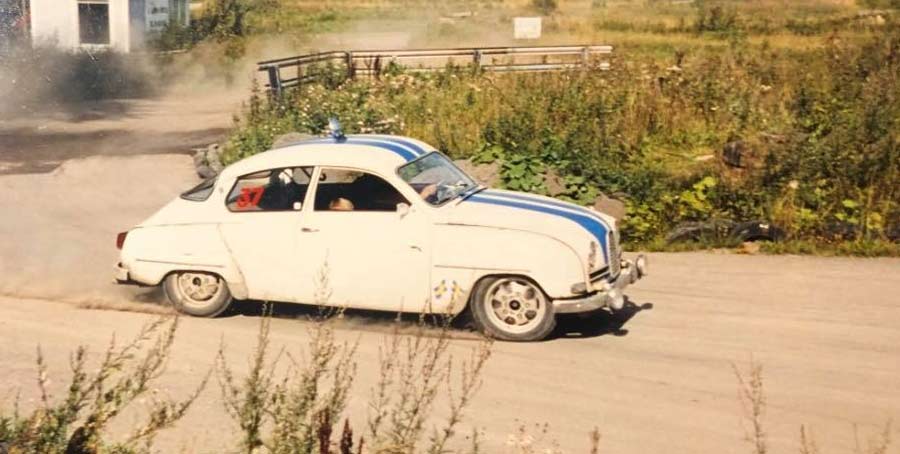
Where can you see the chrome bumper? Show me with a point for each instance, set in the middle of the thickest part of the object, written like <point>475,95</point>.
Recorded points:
<point>122,276</point>
<point>606,294</point>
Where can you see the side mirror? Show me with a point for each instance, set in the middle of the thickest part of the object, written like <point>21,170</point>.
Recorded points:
<point>298,206</point>
<point>402,210</point>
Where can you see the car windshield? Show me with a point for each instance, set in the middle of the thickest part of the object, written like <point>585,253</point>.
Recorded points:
<point>436,178</point>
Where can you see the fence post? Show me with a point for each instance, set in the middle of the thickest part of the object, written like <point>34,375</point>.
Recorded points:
<point>274,81</point>
<point>585,56</point>
<point>476,60</point>
<point>351,72</point>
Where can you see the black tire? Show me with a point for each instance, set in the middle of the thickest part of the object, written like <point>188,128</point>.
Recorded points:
<point>512,308</point>
<point>205,303</point>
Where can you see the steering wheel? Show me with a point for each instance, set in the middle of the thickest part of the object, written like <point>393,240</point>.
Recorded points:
<point>443,191</point>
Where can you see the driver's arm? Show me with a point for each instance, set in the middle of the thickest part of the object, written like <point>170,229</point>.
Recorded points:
<point>428,191</point>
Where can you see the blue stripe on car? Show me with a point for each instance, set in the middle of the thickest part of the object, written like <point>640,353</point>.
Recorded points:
<point>554,203</point>
<point>589,223</point>
<point>403,152</point>
<point>405,142</point>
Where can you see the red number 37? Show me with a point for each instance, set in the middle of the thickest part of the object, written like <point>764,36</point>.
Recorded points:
<point>250,197</point>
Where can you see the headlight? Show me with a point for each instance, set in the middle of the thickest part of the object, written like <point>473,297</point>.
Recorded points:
<point>615,256</point>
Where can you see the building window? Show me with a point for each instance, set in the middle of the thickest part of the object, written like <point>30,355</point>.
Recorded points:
<point>93,22</point>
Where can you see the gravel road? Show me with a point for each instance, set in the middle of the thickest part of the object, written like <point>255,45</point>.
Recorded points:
<point>825,330</point>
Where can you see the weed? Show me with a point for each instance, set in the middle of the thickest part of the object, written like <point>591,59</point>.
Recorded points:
<point>76,424</point>
<point>753,401</point>
<point>300,412</point>
<point>816,132</point>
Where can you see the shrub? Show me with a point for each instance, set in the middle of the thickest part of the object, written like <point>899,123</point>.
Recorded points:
<point>301,412</point>
<point>546,7</point>
<point>824,121</point>
<point>76,423</point>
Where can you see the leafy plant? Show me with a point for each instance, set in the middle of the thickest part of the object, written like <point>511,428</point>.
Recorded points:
<point>649,133</point>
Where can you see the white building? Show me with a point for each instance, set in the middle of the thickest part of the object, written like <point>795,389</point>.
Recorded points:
<point>123,25</point>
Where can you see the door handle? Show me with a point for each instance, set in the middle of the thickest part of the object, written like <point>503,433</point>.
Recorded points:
<point>415,247</point>
<point>308,230</point>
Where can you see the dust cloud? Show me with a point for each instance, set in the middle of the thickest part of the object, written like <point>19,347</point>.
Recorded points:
<point>58,231</point>
<point>93,143</point>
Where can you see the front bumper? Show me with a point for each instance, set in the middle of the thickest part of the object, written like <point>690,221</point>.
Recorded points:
<point>606,294</point>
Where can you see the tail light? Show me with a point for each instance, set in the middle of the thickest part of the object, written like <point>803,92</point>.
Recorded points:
<point>120,239</point>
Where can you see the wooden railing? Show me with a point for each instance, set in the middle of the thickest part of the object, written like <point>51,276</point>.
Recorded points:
<point>295,71</point>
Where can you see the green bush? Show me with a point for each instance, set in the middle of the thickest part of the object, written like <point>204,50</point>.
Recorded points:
<point>819,132</point>
<point>546,7</point>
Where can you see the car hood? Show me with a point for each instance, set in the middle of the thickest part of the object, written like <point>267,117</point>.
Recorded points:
<point>572,224</point>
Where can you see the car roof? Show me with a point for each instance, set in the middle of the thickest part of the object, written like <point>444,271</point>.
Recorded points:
<point>378,153</point>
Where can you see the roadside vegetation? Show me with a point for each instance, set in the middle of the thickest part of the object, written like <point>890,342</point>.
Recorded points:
<point>284,403</point>
<point>715,112</point>
<point>792,120</point>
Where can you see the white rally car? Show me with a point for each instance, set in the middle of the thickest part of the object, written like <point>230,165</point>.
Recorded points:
<point>378,222</point>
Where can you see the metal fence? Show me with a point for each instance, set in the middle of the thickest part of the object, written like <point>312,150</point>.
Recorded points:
<point>295,71</point>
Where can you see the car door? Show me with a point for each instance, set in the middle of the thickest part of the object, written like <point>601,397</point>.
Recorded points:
<point>262,228</point>
<point>370,254</point>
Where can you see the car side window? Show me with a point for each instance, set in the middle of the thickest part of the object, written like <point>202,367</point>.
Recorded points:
<point>201,192</point>
<point>355,190</point>
<point>281,189</point>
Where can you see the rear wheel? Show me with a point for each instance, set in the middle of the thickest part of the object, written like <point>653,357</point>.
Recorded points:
<point>512,308</point>
<point>197,293</point>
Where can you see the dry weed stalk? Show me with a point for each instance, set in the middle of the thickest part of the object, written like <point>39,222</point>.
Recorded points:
<point>524,442</point>
<point>595,441</point>
<point>296,414</point>
<point>877,444</point>
<point>753,403</point>
<point>807,442</point>
<point>76,424</point>
<point>413,370</point>
<point>246,401</point>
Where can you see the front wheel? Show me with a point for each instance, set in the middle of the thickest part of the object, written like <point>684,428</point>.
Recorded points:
<point>198,294</point>
<point>512,308</point>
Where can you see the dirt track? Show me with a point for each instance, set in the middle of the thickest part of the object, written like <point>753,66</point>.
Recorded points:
<point>658,379</point>
<point>826,331</point>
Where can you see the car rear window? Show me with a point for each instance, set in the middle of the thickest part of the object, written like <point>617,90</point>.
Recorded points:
<point>200,192</point>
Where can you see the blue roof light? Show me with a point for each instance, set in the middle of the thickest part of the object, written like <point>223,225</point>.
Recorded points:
<point>335,130</point>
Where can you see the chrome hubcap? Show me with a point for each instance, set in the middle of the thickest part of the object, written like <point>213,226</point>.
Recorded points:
<point>197,289</point>
<point>515,305</point>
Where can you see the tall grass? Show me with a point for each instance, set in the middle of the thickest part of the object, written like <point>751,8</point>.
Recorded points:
<point>818,130</point>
